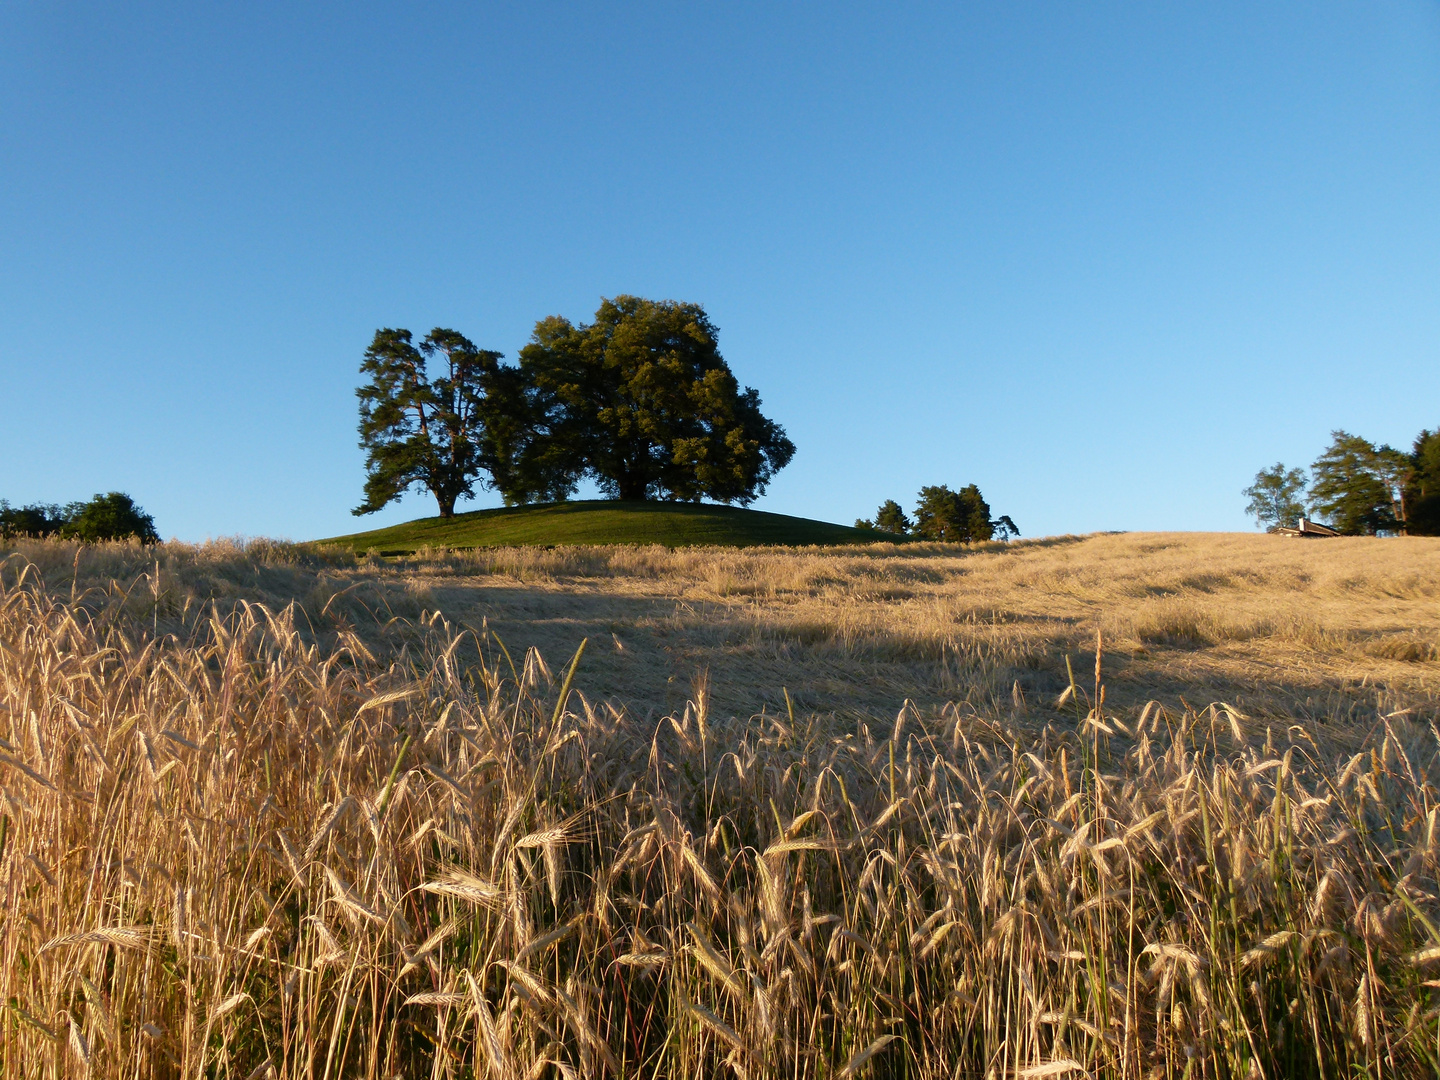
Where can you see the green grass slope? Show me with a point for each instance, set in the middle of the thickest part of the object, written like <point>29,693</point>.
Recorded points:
<point>671,524</point>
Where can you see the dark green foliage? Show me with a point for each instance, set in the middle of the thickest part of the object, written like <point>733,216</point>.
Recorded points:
<point>642,402</point>
<point>110,517</point>
<point>105,517</point>
<point>531,462</point>
<point>426,433</point>
<point>1004,528</point>
<point>1393,469</point>
<point>1349,487</point>
<point>1358,488</point>
<point>953,516</point>
<point>975,513</point>
<point>1277,497</point>
<point>1422,487</point>
<point>890,518</point>
<point>37,519</point>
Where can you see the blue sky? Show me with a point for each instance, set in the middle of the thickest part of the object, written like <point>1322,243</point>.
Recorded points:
<point>1104,260</point>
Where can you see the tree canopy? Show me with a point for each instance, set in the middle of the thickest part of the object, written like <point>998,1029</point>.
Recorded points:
<point>1350,486</point>
<point>419,432</point>
<point>1357,488</point>
<point>941,514</point>
<point>113,516</point>
<point>1277,497</point>
<point>1422,486</point>
<point>953,516</point>
<point>35,520</point>
<point>640,401</point>
<point>892,519</point>
<point>1003,528</point>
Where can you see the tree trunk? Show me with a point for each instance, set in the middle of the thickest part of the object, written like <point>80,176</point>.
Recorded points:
<point>447,506</point>
<point>631,488</point>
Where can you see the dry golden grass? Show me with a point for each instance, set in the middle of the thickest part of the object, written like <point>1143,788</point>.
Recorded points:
<point>1341,632</point>
<point>301,841</point>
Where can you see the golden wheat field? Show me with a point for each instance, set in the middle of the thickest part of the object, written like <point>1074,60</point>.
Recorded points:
<point>1124,805</point>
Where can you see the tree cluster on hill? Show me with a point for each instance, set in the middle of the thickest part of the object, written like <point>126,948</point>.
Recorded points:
<point>959,517</point>
<point>105,517</point>
<point>640,401</point>
<point>1355,487</point>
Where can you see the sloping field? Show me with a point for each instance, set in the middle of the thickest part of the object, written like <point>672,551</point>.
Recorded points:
<point>603,522</point>
<point>1340,631</point>
<point>375,833</point>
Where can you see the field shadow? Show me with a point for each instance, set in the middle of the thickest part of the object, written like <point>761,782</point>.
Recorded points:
<point>649,654</point>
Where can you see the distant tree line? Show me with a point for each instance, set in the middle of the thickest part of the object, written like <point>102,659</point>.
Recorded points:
<point>959,517</point>
<point>105,517</point>
<point>639,401</point>
<point>1355,487</point>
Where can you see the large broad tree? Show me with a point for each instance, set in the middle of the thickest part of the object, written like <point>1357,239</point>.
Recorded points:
<point>420,432</point>
<point>1351,487</point>
<point>642,402</point>
<point>1277,497</point>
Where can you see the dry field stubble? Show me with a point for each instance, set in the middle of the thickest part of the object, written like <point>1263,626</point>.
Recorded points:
<point>243,840</point>
<point>1338,632</point>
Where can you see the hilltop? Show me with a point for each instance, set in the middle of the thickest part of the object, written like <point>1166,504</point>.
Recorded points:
<point>606,522</point>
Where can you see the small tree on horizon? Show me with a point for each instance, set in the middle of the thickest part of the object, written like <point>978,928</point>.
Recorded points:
<point>961,517</point>
<point>891,518</point>
<point>109,517</point>
<point>1277,497</point>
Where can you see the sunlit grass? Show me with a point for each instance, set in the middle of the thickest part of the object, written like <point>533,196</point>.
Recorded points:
<point>265,843</point>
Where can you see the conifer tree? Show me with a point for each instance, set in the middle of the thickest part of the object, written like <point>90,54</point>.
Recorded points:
<point>419,432</point>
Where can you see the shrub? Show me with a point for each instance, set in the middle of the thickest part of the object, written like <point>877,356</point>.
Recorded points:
<point>105,517</point>
<point>37,519</point>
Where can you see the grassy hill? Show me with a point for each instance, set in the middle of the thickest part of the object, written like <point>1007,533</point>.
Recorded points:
<point>601,522</point>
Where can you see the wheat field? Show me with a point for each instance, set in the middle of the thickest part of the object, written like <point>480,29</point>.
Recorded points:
<point>1130,806</point>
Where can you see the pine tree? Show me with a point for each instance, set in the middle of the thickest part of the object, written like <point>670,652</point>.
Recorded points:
<point>1422,489</point>
<point>1347,489</point>
<point>957,517</point>
<point>891,518</point>
<point>419,432</point>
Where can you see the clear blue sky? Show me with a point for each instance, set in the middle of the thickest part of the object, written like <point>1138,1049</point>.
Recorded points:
<point>1104,260</point>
